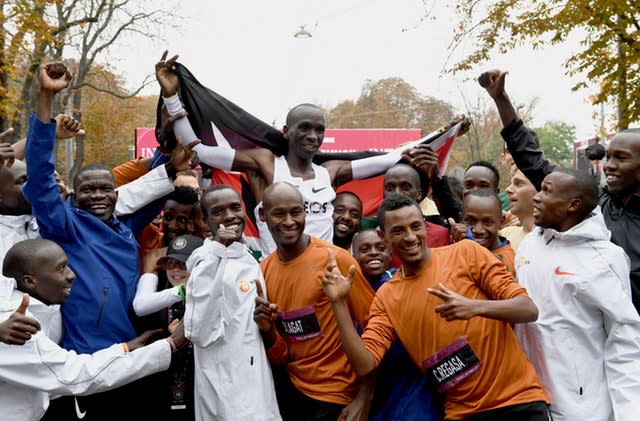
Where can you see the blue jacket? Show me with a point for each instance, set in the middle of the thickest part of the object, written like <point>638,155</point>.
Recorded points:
<point>402,393</point>
<point>104,256</point>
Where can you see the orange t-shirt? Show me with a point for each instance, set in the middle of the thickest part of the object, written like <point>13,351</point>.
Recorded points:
<point>316,362</point>
<point>507,256</point>
<point>404,309</point>
<point>128,171</point>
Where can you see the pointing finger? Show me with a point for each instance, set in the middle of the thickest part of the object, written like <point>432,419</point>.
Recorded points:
<point>259,289</point>
<point>332,260</point>
<point>437,293</point>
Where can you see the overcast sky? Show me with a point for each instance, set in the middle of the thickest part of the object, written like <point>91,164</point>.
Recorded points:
<point>245,50</point>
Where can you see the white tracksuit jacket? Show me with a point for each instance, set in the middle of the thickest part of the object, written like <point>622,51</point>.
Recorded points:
<point>585,344</point>
<point>233,379</point>
<point>30,373</point>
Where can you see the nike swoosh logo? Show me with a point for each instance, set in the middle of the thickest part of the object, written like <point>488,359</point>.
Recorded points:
<point>79,413</point>
<point>314,190</point>
<point>559,272</point>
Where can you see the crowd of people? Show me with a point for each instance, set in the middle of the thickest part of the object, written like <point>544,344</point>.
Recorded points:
<point>131,292</point>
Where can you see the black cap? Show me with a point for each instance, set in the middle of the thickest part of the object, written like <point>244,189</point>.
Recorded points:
<point>181,248</point>
<point>595,151</point>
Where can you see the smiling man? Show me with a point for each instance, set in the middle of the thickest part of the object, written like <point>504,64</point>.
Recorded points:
<point>296,322</point>
<point>101,248</point>
<point>30,373</point>
<point>452,308</point>
<point>347,213</point>
<point>304,130</point>
<point>221,291</point>
<point>619,199</point>
<point>586,342</point>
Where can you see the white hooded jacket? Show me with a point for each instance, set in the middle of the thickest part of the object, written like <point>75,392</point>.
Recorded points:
<point>585,344</point>
<point>31,372</point>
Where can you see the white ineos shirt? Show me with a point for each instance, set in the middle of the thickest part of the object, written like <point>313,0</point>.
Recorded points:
<point>318,195</point>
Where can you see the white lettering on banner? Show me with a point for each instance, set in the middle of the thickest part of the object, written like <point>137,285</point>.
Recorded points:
<point>448,368</point>
<point>292,327</point>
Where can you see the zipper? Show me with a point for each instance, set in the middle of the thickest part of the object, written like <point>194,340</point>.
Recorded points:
<point>105,291</point>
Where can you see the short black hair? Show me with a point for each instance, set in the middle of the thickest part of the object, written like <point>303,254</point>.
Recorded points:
<point>584,187</point>
<point>212,189</point>
<point>184,195</point>
<point>392,202</point>
<point>483,192</point>
<point>348,193</point>
<point>87,168</point>
<point>19,260</point>
<point>488,165</point>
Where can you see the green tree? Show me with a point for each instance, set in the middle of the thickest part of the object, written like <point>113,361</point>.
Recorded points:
<point>609,53</point>
<point>556,141</point>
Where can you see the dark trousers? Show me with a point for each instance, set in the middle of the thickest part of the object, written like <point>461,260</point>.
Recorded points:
<point>296,406</point>
<point>135,401</point>
<point>533,411</point>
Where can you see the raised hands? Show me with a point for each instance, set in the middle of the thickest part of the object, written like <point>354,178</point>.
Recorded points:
<point>425,159</point>
<point>54,77</point>
<point>18,328</point>
<point>67,127</point>
<point>493,82</point>
<point>166,74</point>
<point>334,284</point>
<point>182,157</point>
<point>455,306</point>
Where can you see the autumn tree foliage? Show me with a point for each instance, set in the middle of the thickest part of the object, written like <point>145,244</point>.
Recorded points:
<point>390,103</point>
<point>36,31</point>
<point>609,54</point>
<point>110,121</point>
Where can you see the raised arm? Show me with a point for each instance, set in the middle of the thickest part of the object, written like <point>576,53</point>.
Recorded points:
<point>41,188</point>
<point>521,142</point>
<point>336,287</point>
<point>258,160</point>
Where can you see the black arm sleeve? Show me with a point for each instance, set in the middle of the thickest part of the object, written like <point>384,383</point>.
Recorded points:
<point>526,153</point>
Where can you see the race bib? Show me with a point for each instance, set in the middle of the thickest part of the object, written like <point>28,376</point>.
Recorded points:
<point>451,365</point>
<point>300,324</point>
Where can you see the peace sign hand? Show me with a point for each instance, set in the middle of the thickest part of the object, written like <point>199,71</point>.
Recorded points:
<point>335,285</point>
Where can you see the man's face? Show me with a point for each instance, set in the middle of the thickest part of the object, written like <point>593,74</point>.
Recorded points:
<point>283,212</point>
<point>53,276</point>
<point>402,180</point>
<point>405,233</point>
<point>551,203</point>
<point>12,201</point>
<point>347,213</point>
<point>622,168</point>
<point>521,193</point>
<point>305,132</point>
<point>224,207</point>
<point>176,220</point>
<point>483,216</point>
<point>478,177</point>
<point>95,192</point>
<point>372,254</point>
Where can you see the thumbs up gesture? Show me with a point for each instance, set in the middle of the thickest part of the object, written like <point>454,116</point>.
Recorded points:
<point>18,328</point>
